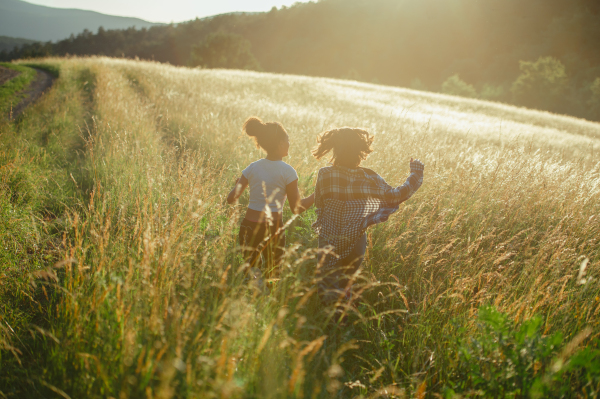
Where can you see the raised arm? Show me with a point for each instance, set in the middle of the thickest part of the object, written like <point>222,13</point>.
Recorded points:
<point>411,185</point>
<point>298,204</point>
<point>237,190</point>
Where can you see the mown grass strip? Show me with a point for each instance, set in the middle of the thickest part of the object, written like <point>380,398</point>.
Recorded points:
<point>41,175</point>
<point>10,92</point>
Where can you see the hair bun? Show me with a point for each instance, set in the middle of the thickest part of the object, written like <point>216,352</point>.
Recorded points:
<point>265,135</point>
<point>254,126</point>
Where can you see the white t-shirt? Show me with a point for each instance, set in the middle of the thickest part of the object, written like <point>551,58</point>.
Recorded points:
<point>275,175</point>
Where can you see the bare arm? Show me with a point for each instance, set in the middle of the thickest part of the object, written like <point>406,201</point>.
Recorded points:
<point>237,190</point>
<point>298,204</point>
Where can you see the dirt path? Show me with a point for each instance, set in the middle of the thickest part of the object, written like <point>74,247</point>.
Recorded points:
<point>40,84</point>
<point>7,74</point>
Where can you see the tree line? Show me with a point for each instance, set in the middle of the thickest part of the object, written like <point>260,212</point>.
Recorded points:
<point>536,53</point>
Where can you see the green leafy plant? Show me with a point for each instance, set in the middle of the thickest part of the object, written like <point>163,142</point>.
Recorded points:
<point>456,86</point>
<point>594,102</point>
<point>491,92</point>
<point>581,371</point>
<point>503,359</point>
<point>542,84</point>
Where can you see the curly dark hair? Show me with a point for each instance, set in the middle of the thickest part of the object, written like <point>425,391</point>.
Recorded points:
<point>266,135</point>
<point>350,146</point>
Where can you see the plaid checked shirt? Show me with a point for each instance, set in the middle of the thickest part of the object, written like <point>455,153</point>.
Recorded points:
<point>349,200</point>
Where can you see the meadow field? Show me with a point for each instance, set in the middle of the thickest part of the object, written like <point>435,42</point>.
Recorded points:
<point>120,276</point>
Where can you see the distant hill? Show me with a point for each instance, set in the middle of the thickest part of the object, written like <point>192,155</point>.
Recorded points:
<point>9,43</point>
<point>35,22</point>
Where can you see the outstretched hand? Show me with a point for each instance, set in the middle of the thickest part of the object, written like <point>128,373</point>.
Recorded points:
<point>416,165</point>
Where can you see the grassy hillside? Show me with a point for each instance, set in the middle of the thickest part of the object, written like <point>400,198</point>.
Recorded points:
<point>540,54</point>
<point>121,276</point>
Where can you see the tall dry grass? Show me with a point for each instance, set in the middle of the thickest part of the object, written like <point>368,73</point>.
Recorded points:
<point>153,300</point>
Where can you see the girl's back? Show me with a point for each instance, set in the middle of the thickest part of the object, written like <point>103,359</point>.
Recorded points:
<point>267,181</point>
<point>270,181</point>
<point>349,198</point>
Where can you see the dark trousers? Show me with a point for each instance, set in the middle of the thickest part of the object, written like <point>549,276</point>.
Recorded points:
<point>263,246</point>
<point>338,277</point>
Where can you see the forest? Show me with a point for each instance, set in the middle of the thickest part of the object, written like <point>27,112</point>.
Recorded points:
<point>540,54</point>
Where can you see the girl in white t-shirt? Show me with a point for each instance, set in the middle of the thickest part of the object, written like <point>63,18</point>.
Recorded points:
<point>270,180</point>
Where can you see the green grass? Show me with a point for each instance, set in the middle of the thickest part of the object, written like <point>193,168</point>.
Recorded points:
<point>35,190</point>
<point>10,94</point>
<point>123,279</point>
<point>53,69</point>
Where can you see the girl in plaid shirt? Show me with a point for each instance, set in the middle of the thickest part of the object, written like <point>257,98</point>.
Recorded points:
<point>270,180</point>
<point>349,199</point>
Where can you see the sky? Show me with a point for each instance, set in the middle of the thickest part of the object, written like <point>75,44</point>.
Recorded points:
<point>166,11</point>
